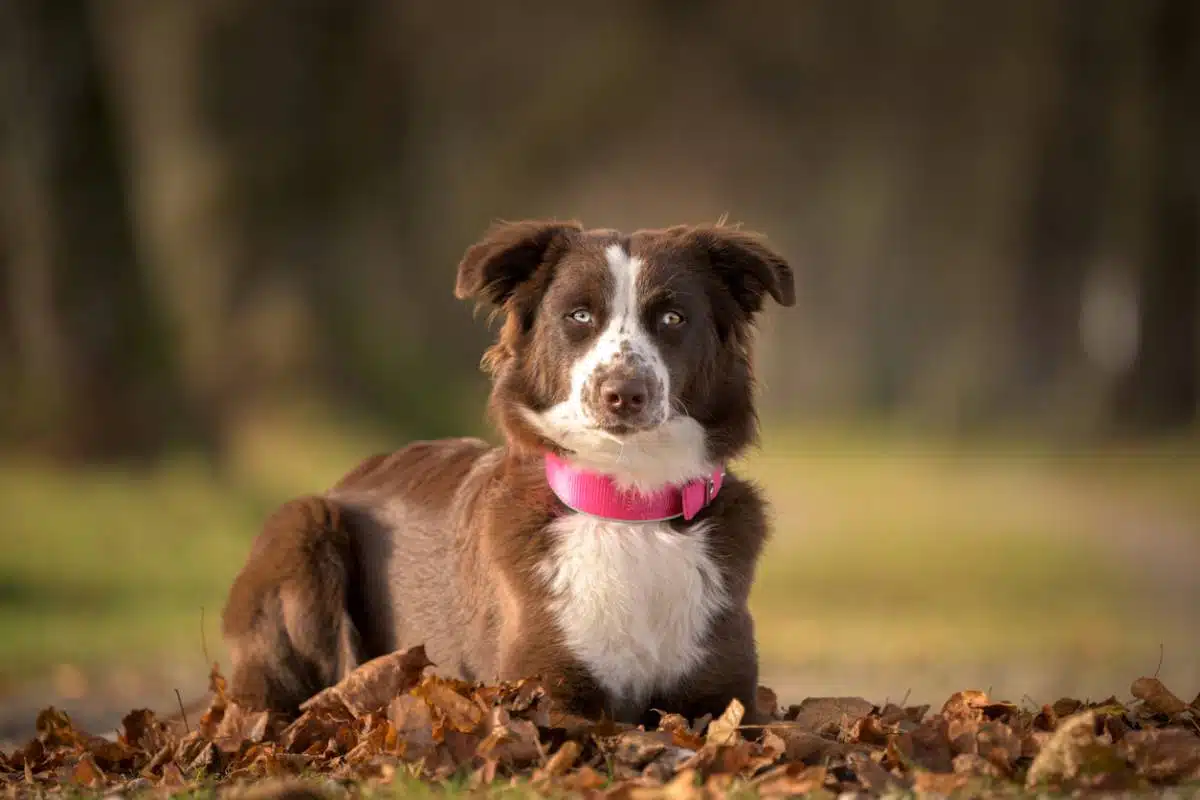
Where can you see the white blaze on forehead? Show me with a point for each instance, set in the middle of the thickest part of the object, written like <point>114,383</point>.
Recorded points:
<point>623,331</point>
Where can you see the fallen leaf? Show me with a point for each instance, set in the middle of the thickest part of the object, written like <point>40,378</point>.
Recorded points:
<point>141,729</point>
<point>1157,697</point>
<point>238,726</point>
<point>825,714</point>
<point>412,722</point>
<point>584,779</point>
<point>457,711</point>
<point>766,704</point>
<point>513,744</point>
<point>87,773</point>
<point>563,759</point>
<point>997,743</point>
<point>967,704</point>
<point>1046,719</point>
<point>724,729</point>
<point>373,685</point>
<point>790,780</point>
<point>803,745</point>
<point>975,765</point>
<point>1071,752</point>
<point>54,728</point>
<point>1164,755</point>
<point>871,774</point>
<point>870,730</point>
<point>172,776</point>
<point>938,783</point>
<point>931,745</point>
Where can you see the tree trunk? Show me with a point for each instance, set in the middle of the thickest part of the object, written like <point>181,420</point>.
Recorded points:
<point>92,373</point>
<point>1162,391</point>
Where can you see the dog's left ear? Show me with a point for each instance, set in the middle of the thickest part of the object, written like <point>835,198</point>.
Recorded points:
<point>746,265</point>
<point>507,256</point>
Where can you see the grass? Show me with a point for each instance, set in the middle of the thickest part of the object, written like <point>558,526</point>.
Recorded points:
<point>892,559</point>
<point>911,563</point>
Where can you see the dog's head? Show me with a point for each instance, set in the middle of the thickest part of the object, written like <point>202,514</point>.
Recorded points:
<point>629,354</point>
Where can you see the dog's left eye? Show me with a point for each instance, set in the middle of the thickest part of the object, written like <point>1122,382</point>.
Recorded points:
<point>671,319</point>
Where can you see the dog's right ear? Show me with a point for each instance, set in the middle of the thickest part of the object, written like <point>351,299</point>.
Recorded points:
<point>507,256</point>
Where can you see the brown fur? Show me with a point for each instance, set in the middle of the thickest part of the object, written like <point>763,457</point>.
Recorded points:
<point>438,543</point>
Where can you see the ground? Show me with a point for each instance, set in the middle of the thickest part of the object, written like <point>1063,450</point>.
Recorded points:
<point>901,565</point>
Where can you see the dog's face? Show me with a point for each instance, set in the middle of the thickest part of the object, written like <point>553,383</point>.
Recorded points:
<point>627,353</point>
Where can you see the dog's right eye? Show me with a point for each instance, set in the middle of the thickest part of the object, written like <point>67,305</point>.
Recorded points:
<point>581,316</point>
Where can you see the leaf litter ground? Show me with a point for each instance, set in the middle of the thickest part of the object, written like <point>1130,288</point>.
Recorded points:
<point>390,726</point>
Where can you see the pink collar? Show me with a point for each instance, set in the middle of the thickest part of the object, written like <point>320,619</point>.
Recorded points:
<point>597,494</point>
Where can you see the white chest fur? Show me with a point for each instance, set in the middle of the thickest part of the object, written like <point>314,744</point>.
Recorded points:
<point>634,601</point>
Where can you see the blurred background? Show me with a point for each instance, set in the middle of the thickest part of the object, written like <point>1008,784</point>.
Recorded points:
<point>228,234</point>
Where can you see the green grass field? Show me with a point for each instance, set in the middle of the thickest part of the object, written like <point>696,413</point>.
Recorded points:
<point>897,563</point>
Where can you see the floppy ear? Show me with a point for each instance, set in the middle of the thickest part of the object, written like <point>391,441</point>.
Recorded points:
<point>507,256</point>
<point>746,265</point>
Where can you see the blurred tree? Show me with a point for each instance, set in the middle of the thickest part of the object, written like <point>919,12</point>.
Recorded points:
<point>91,374</point>
<point>1067,201</point>
<point>212,206</point>
<point>1162,392</point>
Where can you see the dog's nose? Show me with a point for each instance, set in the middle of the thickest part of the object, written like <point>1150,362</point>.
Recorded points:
<point>624,396</point>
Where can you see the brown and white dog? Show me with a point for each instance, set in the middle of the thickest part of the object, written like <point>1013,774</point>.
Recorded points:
<point>623,367</point>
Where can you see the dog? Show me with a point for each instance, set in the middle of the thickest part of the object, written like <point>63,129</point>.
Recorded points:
<point>605,547</point>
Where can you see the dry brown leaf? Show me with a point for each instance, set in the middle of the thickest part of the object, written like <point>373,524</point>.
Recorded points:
<point>681,733</point>
<point>458,712</point>
<point>584,779</point>
<point>373,685</point>
<point>217,684</point>
<point>110,755</point>
<point>172,776</point>
<point>1066,706</point>
<point>870,730</point>
<point>968,704</point>
<point>412,723</point>
<point>724,729</point>
<point>804,745</point>
<point>824,715</point>
<point>898,753</point>
<point>790,780</point>
<point>938,783</point>
<point>54,728</point>
<point>86,773</point>
<point>1166,754</point>
<point>931,745</point>
<point>962,732</point>
<point>975,765</point>
<point>563,759</point>
<point>238,725</point>
<point>1157,697</point>
<point>766,704</point>
<point>1073,751</point>
<point>636,748</point>
<point>1046,719</point>
<point>997,743</point>
<point>871,774</point>
<point>514,744</point>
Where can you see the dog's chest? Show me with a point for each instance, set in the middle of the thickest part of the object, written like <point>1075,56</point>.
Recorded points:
<point>634,600</point>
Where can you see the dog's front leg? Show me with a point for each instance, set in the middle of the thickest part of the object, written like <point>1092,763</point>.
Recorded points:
<point>729,672</point>
<point>534,653</point>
